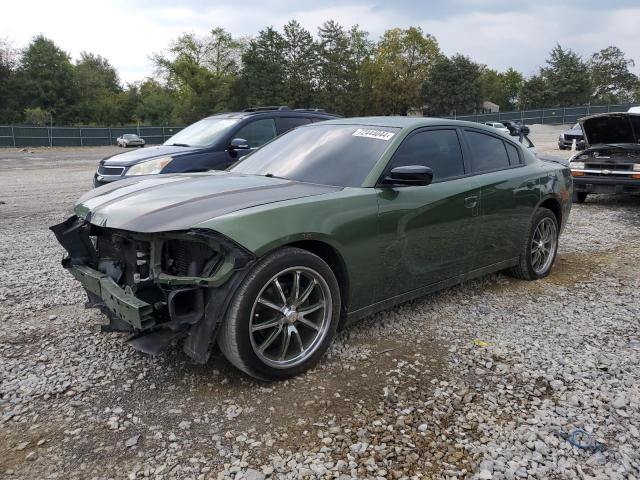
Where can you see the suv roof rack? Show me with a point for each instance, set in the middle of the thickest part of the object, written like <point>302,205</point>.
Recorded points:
<point>261,109</point>
<point>318,110</point>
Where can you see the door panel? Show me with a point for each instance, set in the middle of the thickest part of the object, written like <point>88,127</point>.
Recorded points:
<point>508,199</point>
<point>508,191</point>
<point>428,234</point>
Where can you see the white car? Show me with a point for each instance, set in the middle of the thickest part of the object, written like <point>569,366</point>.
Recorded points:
<point>634,110</point>
<point>130,140</point>
<point>498,126</point>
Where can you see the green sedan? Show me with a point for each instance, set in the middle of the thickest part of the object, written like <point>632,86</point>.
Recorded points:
<point>322,226</point>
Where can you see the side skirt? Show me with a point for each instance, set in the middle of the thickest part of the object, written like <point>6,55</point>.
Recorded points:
<point>356,315</point>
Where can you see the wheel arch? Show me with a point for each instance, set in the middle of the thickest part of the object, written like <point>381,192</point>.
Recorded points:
<point>552,203</point>
<point>334,259</point>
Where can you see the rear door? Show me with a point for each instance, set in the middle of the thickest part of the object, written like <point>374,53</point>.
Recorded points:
<point>508,192</point>
<point>428,232</point>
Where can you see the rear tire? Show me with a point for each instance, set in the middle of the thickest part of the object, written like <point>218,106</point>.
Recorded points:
<point>579,197</point>
<point>538,252</point>
<point>283,317</point>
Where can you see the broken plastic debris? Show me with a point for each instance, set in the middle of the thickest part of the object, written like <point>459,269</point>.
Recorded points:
<point>481,343</point>
<point>583,440</point>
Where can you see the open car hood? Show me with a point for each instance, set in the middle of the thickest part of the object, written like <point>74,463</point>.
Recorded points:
<point>159,203</point>
<point>611,128</point>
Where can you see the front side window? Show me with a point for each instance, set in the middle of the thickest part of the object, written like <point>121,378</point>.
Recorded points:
<point>488,152</point>
<point>436,149</point>
<point>258,132</point>
<point>340,155</point>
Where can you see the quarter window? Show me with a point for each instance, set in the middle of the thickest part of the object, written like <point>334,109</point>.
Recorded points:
<point>512,152</point>
<point>436,149</point>
<point>258,132</point>
<point>488,152</point>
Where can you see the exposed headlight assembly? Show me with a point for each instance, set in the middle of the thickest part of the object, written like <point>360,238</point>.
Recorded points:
<point>150,167</point>
<point>577,165</point>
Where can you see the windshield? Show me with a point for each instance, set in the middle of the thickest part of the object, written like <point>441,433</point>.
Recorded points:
<point>339,155</point>
<point>130,135</point>
<point>202,133</point>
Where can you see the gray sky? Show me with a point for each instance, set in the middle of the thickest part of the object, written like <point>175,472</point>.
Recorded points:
<point>493,32</point>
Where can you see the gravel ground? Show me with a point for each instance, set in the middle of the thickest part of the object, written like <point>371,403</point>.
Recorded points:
<point>489,379</point>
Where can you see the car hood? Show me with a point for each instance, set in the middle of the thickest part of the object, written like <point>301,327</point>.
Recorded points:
<point>611,128</point>
<point>132,157</point>
<point>159,203</point>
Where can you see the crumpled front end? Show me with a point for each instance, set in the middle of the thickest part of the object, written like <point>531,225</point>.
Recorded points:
<point>161,287</point>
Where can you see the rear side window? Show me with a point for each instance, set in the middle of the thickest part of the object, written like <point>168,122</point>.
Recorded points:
<point>438,149</point>
<point>287,123</point>
<point>258,132</point>
<point>512,152</point>
<point>488,152</point>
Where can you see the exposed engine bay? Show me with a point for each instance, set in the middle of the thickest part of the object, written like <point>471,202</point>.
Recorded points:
<point>156,286</point>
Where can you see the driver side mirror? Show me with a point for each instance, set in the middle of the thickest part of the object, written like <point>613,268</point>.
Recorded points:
<point>409,176</point>
<point>239,144</point>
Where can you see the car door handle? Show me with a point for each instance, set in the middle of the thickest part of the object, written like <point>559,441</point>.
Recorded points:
<point>471,202</point>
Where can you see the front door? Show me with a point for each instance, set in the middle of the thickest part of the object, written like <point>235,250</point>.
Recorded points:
<point>256,132</point>
<point>428,233</point>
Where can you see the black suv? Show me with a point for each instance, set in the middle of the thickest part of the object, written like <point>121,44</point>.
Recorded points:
<point>212,143</point>
<point>515,127</point>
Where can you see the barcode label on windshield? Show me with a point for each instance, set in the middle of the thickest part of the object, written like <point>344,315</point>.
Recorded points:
<point>371,133</point>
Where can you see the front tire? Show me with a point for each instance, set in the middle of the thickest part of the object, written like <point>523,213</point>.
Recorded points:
<point>283,317</point>
<point>538,252</point>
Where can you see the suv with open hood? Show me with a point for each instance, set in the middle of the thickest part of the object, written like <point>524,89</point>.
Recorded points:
<point>611,161</point>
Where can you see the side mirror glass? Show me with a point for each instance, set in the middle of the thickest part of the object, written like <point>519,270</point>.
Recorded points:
<point>239,144</point>
<point>410,175</point>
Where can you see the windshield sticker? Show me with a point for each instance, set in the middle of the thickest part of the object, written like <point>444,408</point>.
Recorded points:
<point>371,133</point>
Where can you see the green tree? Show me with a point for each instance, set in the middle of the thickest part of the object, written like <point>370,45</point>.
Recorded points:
<point>611,78</point>
<point>452,86</point>
<point>300,65</point>
<point>201,70</point>
<point>46,79</point>
<point>156,104</point>
<point>8,100</point>
<point>535,93</point>
<point>567,78</point>
<point>501,88</point>
<point>359,79</point>
<point>336,68</point>
<point>98,91</point>
<point>263,75</point>
<point>402,61</point>
<point>36,116</point>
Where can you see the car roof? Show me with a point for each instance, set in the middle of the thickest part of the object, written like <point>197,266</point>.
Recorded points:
<point>276,113</point>
<point>406,122</point>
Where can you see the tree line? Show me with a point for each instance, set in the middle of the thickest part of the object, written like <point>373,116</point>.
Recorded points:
<point>342,70</point>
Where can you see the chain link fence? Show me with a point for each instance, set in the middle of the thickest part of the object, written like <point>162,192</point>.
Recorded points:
<point>549,116</point>
<point>23,136</point>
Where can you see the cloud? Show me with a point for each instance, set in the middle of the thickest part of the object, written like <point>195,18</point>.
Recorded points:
<point>492,32</point>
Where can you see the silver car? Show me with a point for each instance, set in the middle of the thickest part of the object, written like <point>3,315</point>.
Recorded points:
<point>498,126</point>
<point>130,140</point>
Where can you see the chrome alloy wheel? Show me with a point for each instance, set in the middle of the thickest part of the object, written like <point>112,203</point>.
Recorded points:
<point>290,317</point>
<point>543,245</point>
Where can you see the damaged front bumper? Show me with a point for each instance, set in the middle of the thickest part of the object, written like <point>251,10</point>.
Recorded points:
<point>160,287</point>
